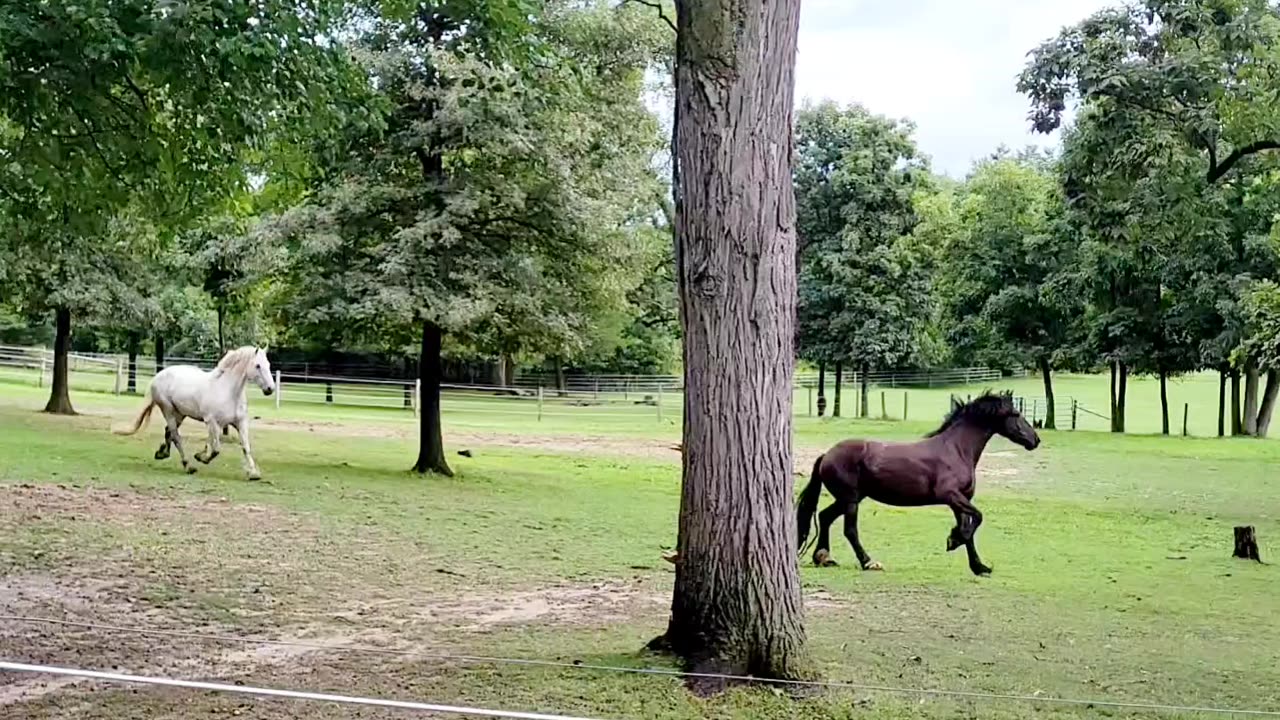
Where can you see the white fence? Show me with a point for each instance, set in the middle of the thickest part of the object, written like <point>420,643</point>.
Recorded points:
<point>534,396</point>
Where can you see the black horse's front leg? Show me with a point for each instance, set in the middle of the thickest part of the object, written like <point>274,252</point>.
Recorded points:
<point>968,518</point>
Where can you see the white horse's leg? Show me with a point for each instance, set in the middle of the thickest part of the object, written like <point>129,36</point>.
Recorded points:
<point>242,430</point>
<point>213,445</point>
<point>171,432</point>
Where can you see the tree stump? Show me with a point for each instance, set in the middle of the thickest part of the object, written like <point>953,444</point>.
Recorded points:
<point>1246,543</point>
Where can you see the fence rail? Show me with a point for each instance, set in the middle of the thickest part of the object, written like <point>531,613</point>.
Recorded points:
<point>534,395</point>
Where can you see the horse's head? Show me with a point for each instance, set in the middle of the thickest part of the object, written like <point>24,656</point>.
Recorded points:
<point>1008,422</point>
<point>260,371</point>
<point>996,413</point>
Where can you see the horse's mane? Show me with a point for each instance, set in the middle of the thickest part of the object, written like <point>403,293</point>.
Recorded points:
<point>987,405</point>
<point>237,360</point>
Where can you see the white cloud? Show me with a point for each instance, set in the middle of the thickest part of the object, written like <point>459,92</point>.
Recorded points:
<point>948,66</point>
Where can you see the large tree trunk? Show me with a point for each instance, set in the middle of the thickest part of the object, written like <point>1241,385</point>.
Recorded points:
<point>737,605</point>
<point>1046,374</point>
<point>1250,416</point>
<point>159,352</point>
<point>1222,403</point>
<point>1268,403</point>
<point>1164,402</point>
<point>864,384</point>
<point>561,382</point>
<point>430,436</point>
<point>1236,426</point>
<point>835,408</point>
<point>60,393</point>
<point>822,389</point>
<point>134,347</point>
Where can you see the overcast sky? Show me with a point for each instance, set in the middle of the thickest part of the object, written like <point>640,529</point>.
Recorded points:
<point>948,65</point>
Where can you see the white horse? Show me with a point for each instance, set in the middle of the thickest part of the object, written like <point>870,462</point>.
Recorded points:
<point>216,398</point>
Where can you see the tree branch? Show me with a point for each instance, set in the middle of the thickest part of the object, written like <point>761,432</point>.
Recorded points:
<point>662,11</point>
<point>1217,170</point>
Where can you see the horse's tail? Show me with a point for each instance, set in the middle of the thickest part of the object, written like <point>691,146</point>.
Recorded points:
<point>808,505</point>
<point>141,421</point>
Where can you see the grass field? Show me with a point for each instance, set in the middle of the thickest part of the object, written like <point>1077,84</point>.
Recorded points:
<point>1113,577</point>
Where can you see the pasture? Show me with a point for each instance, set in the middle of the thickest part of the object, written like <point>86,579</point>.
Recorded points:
<point>1113,578</point>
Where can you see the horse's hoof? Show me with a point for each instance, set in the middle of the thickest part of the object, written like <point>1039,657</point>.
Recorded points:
<point>981,571</point>
<point>255,475</point>
<point>203,459</point>
<point>822,558</point>
<point>191,469</point>
<point>162,455</point>
<point>873,565</point>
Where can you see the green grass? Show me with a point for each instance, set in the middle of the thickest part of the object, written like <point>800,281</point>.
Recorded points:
<point>1112,570</point>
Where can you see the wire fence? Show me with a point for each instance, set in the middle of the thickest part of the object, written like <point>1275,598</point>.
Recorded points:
<point>655,398</point>
<point>188,636</point>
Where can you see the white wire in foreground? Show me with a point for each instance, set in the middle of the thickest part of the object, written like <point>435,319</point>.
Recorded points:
<point>270,692</point>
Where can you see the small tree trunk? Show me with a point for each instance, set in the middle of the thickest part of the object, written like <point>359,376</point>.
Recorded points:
<point>430,435</point>
<point>1268,403</point>
<point>737,604</point>
<point>159,352</point>
<point>835,409</point>
<point>864,383</point>
<point>1236,426</point>
<point>60,393</point>
<point>1250,418</point>
<point>822,389</point>
<point>508,370</point>
<point>1222,403</point>
<point>134,342</point>
<point>222,340</point>
<point>1164,403</point>
<point>1046,373</point>
<point>1246,543</point>
<point>1124,389</point>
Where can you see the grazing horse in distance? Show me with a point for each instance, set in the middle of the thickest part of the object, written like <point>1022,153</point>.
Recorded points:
<point>215,398</point>
<point>938,470</point>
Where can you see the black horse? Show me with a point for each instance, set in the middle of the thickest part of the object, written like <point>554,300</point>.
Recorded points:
<point>938,470</point>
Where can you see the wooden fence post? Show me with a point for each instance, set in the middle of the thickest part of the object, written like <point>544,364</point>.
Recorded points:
<point>119,376</point>
<point>417,397</point>
<point>539,402</point>
<point>1074,405</point>
<point>904,405</point>
<point>884,412</point>
<point>1186,410</point>
<point>810,389</point>
<point>279,389</point>
<point>658,402</point>
<point>43,366</point>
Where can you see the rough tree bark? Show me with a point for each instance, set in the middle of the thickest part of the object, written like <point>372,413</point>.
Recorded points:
<point>1250,412</point>
<point>835,408</point>
<point>1222,403</point>
<point>430,437</point>
<point>1268,406</point>
<point>737,605</point>
<point>60,393</point>
<point>1046,373</point>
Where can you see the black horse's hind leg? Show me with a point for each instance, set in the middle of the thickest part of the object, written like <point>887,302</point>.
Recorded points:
<point>968,518</point>
<point>822,552</point>
<point>851,534</point>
